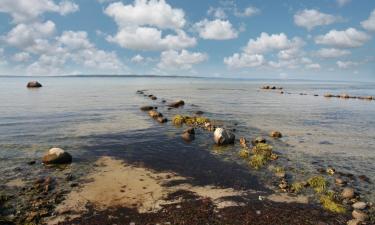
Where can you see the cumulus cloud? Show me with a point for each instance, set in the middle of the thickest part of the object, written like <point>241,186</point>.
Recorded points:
<point>144,12</point>
<point>27,35</point>
<point>21,57</point>
<point>216,29</point>
<point>141,25</point>
<point>265,43</point>
<point>217,12</point>
<point>247,12</point>
<point>151,39</point>
<point>174,60</point>
<point>310,18</point>
<point>137,59</point>
<point>349,38</point>
<point>24,11</point>
<point>369,24</point>
<point>346,64</point>
<point>289,53</point>
<point>342,3</point>
<point>243,60</point>
<point>332,53</point>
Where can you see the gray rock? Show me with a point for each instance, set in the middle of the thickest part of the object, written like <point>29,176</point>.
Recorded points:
<point>359,205</point>
<point>223,136</point>
<point>353,222</point>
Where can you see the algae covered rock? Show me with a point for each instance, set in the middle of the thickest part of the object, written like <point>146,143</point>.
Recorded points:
<point>223,136</point>
<point>57,156</point>
<point>178,120</point>
<point>258,140</point>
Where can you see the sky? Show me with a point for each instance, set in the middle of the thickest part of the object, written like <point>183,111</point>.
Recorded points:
<point>289,39</point>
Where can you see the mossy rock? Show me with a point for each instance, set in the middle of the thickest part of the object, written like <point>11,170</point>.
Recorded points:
<point>178,120</point>
<point>262,148</point>
<point>329,203</point>
<point>258,160</point>
<point>319,183</point>
<point>244,153</point>
<point>297,187</point>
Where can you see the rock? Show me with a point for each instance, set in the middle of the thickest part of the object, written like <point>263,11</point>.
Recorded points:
<point>189,134</point>
<point>161,119</point>
<point>258,140</point>
<point>243,142</point>
<point>34,84</point>
<point>199,112</point>
<point>31,162</point>
<point>316,95</point>
<point>347,192</point>
<point>153,97</point>
<point>353,222</point>
<point>147,108</point>
<point>177,104</point>
<point>330,170</point>
<point>340,181</point>
<point>280,174</point>
<point>359,215</point>
<point>155,114</point>
<point>140,92</point>
<point>364,178</point>
<point>57,156</point>
<point>344,96</point>
<point>276,134</point>
<point>328,95</point>
<point>359,205</point>
<point>223,136</point>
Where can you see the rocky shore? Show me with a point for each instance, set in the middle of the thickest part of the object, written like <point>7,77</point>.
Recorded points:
<point>116,191</point>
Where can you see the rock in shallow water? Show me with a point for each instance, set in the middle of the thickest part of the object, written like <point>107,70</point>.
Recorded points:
<point>189,134</point>
<point>34,84</point>
<point>223,136</point>
<point>57,156</point>
<point>359,215</point>
<point>347,192</point>
<point>359,205</point>
<point>276,134</point>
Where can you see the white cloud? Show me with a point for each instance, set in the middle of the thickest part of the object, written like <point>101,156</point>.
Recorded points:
<point>346,64</point>
<point>265,43</point>
<point>342,3</point>
<point>243,60</point>
<point>216,29</point>
<point>332,53</point>
<point>217,12</point>
<point>74,40</point>
<point>247,12</point>
<point>310,18</point>
<point>174,60</point>
<point>21,57</point>
<point>289,53</point>
<point>141,25</point>
<point>369,24</point>
<point>144,12</point>
<point>137,59</point>
<point>149,38</point>
<point>26,11</point>
<point>27,35</point>
<point>314,66</point>
<point>349,38</point>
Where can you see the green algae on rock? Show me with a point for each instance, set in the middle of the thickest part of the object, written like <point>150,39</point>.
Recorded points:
<point>319,183</point>
<point>329,202</point>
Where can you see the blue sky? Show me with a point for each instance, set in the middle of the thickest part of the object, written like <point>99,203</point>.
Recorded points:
<point>320,39</point>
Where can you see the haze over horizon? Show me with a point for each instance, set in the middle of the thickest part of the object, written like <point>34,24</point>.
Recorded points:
<point>317,40</point>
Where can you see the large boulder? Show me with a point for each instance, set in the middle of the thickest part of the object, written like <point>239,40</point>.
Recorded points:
<point>223,136</point>
<point>57,156</point>
<point>34,84</point>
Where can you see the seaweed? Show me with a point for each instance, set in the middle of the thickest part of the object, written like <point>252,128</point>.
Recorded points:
<point>258,160</point>
<point>319,183</point>
<point>329,202</point>
<point>244,153</point>
<point>297,187</point>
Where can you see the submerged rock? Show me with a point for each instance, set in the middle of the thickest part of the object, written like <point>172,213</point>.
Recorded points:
<point>57,156</point>
<point>177,104</point>
<point>147,108</point>
<point>258,140</point>
<point>34,84</point>
<point>161,119</point>
<point>155,114</point>
<point>223,136</point>
<point>243,142</point>
<point>276,134</point>
<point>189,134</point>
<point>347,192</point>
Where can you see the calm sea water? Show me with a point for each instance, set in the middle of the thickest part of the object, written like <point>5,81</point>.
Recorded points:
<point>95,116</point>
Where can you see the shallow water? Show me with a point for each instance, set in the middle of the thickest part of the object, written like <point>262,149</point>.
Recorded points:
<point>100,116</point>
